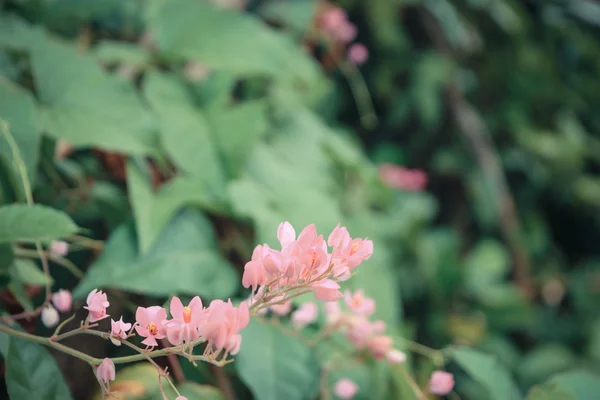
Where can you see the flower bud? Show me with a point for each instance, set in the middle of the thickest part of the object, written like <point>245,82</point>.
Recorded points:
<point>49,316</point>
<point>62,300</point>
<point>441,383</point>
<point>395,356</point>
<point>345,389</point>
<point>59,248</point>
<point>106,371</point>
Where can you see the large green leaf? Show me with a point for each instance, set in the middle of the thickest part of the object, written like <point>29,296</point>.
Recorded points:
<point>488,372</point>
<point>22,223</point>
<point>226,40</point>
<point>32,373</point>
<point>85,105</point>
<point>549,392</point>
<point>583,385</point>
<point>17,108</point>
<point>276,366</point>
<point>185,131</point>
<point>184,259</point>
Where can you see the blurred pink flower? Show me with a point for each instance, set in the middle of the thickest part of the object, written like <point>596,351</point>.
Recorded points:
<point>181,398</point>
<point>401,178</point>
<point>282,309</point>
<point>183,328</point>
<point>441,383</point>
<point>395,356</point>
<point>62,300</point>
<point>333,19</point>
<point>59,248</point>
<point>151,321</point>
<point>379,346</point>
<point>345,389</point>
<point>347,32</point>
<point>332,312</point>
<point>358,303</point>
<point>119,328</point>
<point>305,315</point>
<point>358,54</point>
<point>97,303</point>
<point>106,371</point>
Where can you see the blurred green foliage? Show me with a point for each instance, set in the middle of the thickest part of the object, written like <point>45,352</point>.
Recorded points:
<point>197,129</point>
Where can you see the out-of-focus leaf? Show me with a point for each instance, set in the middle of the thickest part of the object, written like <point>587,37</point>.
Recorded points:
<point>32,373</point>
<point>23,223</point>
<point>16,34</point>
<point>113,52</point>
<point>584,385</point>
<point>188,29</point>
<point>287,368</point>
<point>183,260</point>
<point>87,107</point>
<point>544,361</point>
<point>487,263</point>
<point>296,14</point>
<point>29,273</point>
<point>17,109</point>
<point>185,132</point>
<point>549,392</point>
<point>486,370</point>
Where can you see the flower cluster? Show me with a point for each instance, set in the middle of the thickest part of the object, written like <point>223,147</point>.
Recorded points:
<point>335,24</point>
<point>304,264</point>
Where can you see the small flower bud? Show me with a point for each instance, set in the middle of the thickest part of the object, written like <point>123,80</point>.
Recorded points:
<point>106,371</point>
<point>345,389</point>
<point>441,383</point>
<point>181,398</point>
<point>395,356</point>
<point>49,316</point>
<point>59,248</point>
<point>62,300</point>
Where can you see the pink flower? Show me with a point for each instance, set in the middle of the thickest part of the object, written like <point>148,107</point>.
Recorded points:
<point>358,54</point>
<point>333,19</point>
<point>395,356</point>
<point>106,371</point>
<point>49,316</point>
<point>62,300</point>
<point>379,346</point>
<point>345,389</point>
<point>358,303</point>
<point>441,383</point>
<point>281,309</point>
<point>119,328</point>
<point>97,303</point>
<point>305,315</point>
<point>254,274</point>
<point>359,331</point>
<point>286,234</point>
<point>327,290</point>
<point>332,312</point>
<point>184,326</point>
<point>181,398</point>
<point>346,33</point>
<point>150,324</point>
<point>59,248</point>
<point>221,324</point>
<point>401,178</point>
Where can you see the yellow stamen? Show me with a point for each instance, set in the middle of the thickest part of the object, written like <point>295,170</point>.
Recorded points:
<point>187,315</point>
<point>152,328</point>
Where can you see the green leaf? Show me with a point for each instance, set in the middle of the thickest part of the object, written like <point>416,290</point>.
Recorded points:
<point>86,106</point>
<point>189,29</point>
<point>11,188</point>
<point>297,14</point>
<point>32,373</point>
<point>22,223</point>
<point>16,34</point>
<point>582,384</point>
<point>141,196</point>
<point>29,273</point>
<point>488,372</point>
<point>183,260</point>
<point>7,256</point>
<point>549,392</point>
<point>200,392</point>
<point>486,264</point>
<point>185,131</point>
<point>113,52</point>
<point>17,108</point>
<point>276,366</point>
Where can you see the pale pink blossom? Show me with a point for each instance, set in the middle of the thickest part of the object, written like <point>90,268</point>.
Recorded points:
<point>151,321</point>
<point>395,356</point>
<point>327,290</point>
<point>97,303</point>
<point>221,323</point>
<point>254,273</point>
<point>378,326</point>
<point>59,248</point>
<point>441,383</point>
<point>379,346</point>
<point>62,300</point>
<point>402,178</point>
<point>181,398</point>
<point>358,54</point>
<point>347,32</point>
<point>106,371</point>
<point>282,309</point>
<point>183,328</point>
<point>359,330</point>
<point>345,389</point>
<point>332,313</point>
<point>49,316</point>
<point>305,315</point>
<point>333,19</point>
<point>358,303</point>
<point>286,234</point>
<point>119,328</point>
